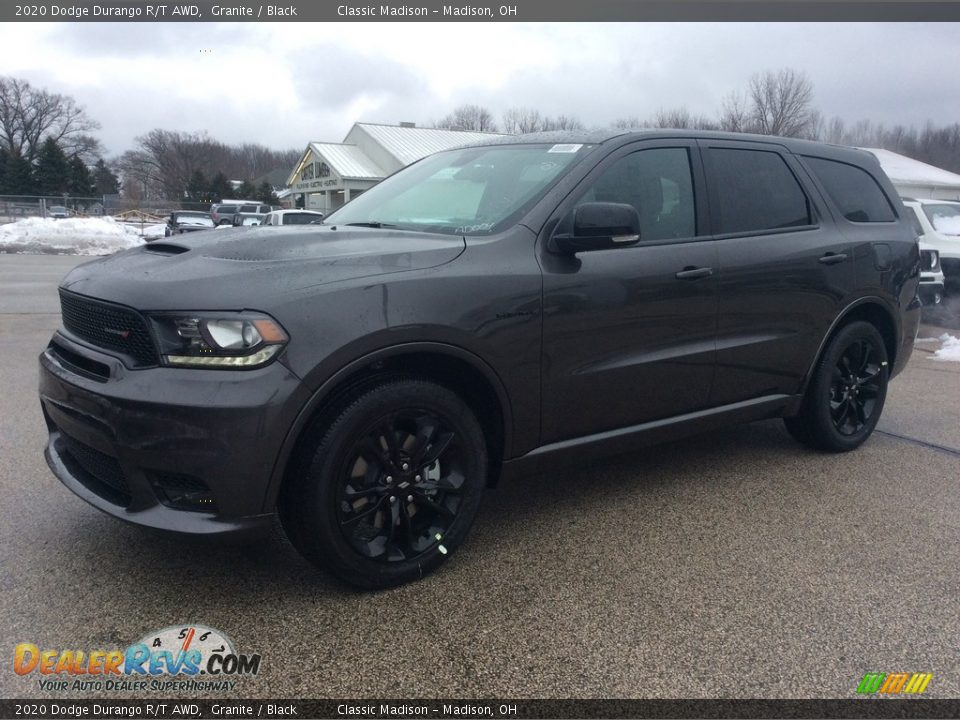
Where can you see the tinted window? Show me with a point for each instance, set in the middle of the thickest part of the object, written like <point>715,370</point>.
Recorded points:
<point>299,218</point>
<point>756,191</point>
<point>658,183</point>
<point>854,191</point>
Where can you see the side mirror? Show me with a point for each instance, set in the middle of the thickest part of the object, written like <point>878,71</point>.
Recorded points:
<point>599,226</point>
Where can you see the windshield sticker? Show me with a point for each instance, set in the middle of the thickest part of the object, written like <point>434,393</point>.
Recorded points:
<point>565,148</point>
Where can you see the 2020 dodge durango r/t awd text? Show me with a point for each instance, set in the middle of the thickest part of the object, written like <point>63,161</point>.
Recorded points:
<point>488,311</point>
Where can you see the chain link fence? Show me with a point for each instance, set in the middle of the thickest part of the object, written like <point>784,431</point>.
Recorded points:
<point>18,207</point>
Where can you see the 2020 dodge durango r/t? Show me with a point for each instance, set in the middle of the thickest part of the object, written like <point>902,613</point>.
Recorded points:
<point>494,310</point>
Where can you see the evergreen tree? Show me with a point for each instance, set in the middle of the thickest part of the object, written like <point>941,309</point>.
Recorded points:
<point>105,181</point>
<point>246,191</point>
<point>80,180</point>
<point>220,188</point>
<point>53,169</point>
<point>198,189</point>
<point>19,176</point>
<point>265,193</point>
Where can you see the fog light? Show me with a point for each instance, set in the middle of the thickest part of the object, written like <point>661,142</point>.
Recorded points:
<point>183,492</point>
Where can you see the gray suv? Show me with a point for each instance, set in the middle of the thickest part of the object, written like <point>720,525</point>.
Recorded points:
<point>522,306</point>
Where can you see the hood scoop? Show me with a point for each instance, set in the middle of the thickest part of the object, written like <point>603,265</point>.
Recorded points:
<point>165,248</point>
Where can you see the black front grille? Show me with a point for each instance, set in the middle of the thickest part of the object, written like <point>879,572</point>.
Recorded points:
<point>98,472</point>
<point>108,326</point>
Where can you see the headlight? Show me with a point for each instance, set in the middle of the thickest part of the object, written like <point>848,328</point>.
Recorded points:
<point>218,340</point>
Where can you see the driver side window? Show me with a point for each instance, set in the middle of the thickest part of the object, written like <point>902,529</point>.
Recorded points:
<point>659,184</point>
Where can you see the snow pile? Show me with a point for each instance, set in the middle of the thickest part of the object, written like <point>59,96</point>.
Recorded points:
<point>948,225</point>
<point>72,236</point>
<point>147,232</point>
<point>949,350</point>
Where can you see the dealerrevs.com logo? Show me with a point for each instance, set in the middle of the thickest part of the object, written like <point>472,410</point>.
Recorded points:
<point>179,657</point>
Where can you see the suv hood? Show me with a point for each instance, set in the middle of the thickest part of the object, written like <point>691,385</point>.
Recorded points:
<point>242,268</point>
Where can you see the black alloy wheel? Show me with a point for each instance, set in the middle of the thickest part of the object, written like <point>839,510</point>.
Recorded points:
<point>855,387</point>
<point>401,485</point>
<point>387,483</point>
<point>846,392</point>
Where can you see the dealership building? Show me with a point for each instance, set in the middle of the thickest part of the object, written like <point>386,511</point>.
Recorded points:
<point>330,174</point>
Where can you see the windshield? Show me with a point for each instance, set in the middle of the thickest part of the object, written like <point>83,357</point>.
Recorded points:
<point>473,191</point>
<point>944,218</point>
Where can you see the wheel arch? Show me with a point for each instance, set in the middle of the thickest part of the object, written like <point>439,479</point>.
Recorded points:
<point>454,367</point>
<point>869,309</point>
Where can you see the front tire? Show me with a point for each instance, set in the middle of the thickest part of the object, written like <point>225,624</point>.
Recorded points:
<point>387,491</point>
<point>846,393</point>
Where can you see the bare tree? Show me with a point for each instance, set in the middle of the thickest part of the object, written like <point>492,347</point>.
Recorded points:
<point>681,118</point>
<point>468,117</point>
<point>164,161</point>
<point>781,103</point>
<point>521,120</point>
<point>562,122</point>
<point>735,113</point>
<point>629,123</point>
<point>29,116</point>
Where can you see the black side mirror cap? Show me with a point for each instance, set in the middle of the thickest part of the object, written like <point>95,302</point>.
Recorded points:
<point>599,226</point>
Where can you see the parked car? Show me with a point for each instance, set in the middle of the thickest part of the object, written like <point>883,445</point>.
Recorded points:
<point>222,213</point>
<point>58,212</point>
<point>246,219</point>
<point>524,305</point>
<point>183,221</point>
<point>931,273</point>
<point>292,217</point>
<point>939,221</point>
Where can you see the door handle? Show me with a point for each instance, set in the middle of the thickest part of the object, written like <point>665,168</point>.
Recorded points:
<point>694,273</point>
<point>833,258</point>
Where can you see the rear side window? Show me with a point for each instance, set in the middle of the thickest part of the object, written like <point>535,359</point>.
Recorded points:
<point>299,219</point>
<point>854,191</point>
<point>756,191</point>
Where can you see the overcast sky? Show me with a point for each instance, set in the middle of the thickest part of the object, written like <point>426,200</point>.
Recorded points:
<point>286,84</point>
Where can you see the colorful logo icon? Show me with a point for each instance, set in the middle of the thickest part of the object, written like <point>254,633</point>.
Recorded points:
<point>894,683</point>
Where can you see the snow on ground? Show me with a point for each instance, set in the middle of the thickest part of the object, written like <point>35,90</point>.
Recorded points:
<point>72,236</point>
<point>949,350</point>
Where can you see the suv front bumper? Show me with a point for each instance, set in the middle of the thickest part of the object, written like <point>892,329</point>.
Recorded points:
<point>187,450</point>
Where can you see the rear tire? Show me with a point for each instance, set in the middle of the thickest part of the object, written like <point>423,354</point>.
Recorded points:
<point>388,489</point>
<point>846,393</point>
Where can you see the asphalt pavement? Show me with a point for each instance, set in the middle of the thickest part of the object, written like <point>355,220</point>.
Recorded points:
<point>736,564</point>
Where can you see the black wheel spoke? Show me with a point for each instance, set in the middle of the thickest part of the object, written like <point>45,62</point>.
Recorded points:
<point>394,521</point>
<point>387,441</point>
<point>360,516</point>
<point>372,451</point>
<point>437,507</point>
<point>860,413</point>
<point>426,430</point>
<point>352,493</point>
<point>436,449</point>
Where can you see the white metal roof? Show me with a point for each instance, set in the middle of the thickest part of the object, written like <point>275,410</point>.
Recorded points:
<point>903,170</point>
<point>409,144</point>
<point>348,161</point>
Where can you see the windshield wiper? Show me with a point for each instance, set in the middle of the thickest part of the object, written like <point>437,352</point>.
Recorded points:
<point>371,224</point>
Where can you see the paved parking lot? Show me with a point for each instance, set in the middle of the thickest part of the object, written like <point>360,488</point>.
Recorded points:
<point>738,564</point>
